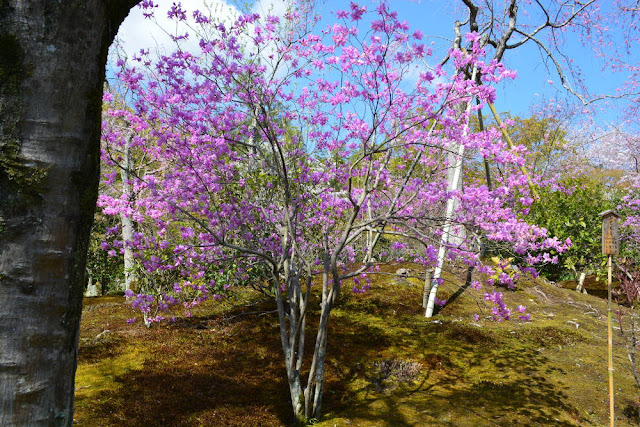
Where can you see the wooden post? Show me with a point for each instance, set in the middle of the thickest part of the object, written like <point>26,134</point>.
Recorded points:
<point>428,278</point>
<point>610,247</point>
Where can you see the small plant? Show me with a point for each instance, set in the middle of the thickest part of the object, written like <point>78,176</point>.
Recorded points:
<point>504,273</point>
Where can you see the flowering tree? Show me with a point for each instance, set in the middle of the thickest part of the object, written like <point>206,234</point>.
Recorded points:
<point>294,151</point>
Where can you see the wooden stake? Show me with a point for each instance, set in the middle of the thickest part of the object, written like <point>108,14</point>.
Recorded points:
<point>428,278</point>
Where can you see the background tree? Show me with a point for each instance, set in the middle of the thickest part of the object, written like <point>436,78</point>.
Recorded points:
<point>549,152</point>
<point>570,210</point>
<point>498,28</point>
<point>573,191</point>
<point>104,271</point>
<point>123,163</point>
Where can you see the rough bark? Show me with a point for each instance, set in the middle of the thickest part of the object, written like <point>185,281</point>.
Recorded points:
<point>52,63</point>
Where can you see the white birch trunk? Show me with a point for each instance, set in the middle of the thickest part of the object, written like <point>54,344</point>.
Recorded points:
<point>580,282</point>
<point>126,221</point>
<point>454,178</point>
<point>455,163</point>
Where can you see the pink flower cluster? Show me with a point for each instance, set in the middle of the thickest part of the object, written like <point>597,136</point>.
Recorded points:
<point>501,312</point>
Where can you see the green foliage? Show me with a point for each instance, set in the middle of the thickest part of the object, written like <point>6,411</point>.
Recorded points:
<point>572,213</point>
<point>545,139</point>
<point>549,150</point>
<point>568,210</point>
<point>503,267</point>
<point>102,268</point>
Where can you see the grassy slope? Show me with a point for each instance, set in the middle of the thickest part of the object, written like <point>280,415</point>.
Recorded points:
<point>387,365</point>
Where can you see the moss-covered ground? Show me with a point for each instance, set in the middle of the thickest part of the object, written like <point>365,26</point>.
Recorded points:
<point>387,364</point>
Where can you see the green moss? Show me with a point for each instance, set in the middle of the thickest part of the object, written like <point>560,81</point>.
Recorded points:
<point>19,181</point>
<point>96,373</point>
<point>11,75</point>
<point>11,67</point>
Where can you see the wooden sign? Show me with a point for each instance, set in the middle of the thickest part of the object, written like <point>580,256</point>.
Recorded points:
<point>610,234</point>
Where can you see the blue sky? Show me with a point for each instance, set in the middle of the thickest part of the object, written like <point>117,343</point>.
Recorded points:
<point>536,83</point>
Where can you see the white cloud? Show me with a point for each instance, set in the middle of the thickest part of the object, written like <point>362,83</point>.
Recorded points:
<point>271,7</point>
<point>138,32</point>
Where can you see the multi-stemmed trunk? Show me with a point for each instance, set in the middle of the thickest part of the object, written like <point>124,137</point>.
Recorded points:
<point>306,398</point>
<point>52,64</point>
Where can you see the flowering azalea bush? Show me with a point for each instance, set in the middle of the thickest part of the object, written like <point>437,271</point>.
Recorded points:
<point>293,151</point>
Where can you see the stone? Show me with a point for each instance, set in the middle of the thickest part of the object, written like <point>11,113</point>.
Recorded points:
<point>402,272</point>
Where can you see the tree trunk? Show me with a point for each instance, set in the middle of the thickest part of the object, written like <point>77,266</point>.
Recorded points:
<point>426,290</point>
<point>125,219</point>
<point>52,63</point>
<point>449,234</point>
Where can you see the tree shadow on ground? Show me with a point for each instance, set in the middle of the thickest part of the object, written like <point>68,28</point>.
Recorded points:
<point>522,388</point>
<point>230,373</point>
<point>468,377</point>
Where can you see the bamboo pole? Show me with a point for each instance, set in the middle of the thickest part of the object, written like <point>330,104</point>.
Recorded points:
<point>507,138</point>
<point>610,345</point>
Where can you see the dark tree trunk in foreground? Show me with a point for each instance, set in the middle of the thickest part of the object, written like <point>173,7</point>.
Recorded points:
<point>52,63</point>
